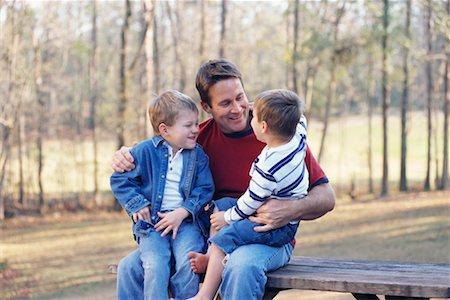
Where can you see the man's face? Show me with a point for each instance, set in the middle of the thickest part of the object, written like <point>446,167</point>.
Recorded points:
<point>229,105</point>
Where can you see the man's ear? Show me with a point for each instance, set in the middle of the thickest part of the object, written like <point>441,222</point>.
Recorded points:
<point>206,107</point>
<point>162,128</point>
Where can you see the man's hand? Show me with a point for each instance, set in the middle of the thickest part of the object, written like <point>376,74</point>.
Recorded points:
<point>171,221</point>
<point>277,213</point>
<point>122,160</point>
<point>274,214</point>
<point>218,220</point>
<point>143,214</point>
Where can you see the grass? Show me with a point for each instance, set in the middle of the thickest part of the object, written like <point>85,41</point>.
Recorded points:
<point>68,163</point>
<point>66,256</point>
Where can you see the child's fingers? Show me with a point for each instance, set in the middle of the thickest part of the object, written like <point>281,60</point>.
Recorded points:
<point>135,217</point>
<point>174,233</point>
<point>166,231</point>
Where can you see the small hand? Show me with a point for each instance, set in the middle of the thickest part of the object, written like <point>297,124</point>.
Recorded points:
<point>171,221</point>
<point>218,220</point>
<point>143,214</point>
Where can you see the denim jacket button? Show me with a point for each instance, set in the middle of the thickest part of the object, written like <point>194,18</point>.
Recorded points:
<point>162,176</point>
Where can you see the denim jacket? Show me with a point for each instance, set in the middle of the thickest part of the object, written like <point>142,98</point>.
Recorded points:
<point>144,185</point>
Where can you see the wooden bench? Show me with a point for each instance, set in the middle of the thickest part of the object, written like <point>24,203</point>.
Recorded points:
<point>363,278</point>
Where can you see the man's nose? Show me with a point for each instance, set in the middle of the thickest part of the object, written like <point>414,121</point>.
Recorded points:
<point>236,108</point>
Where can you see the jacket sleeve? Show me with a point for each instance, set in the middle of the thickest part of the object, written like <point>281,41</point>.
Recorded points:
<point>202,187</point>
<point>127,187</point>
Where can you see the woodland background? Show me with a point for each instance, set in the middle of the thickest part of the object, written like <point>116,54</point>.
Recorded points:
<point>76,76</point>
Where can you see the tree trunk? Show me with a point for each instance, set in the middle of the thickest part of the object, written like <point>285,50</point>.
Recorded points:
<point>149,50</point>
<point>405,101</point>
<point>223,27</point>
<point>20,156</point>
<point>123,97</point>
<point>4,157</point>
<point>203,36</point>
<point>385,99</point>
<point>429,95</point>
<point>295,54</point>
<point>369,120</point>
<point>445,179</point>
<point>155,57</point>
<point>332,84</point>
<point>93,79</point>
<point>176,30</point>
<point>142,58</point>
<point>39,77</point>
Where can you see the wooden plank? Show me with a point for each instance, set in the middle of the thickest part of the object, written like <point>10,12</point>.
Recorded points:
<point>364,277</point>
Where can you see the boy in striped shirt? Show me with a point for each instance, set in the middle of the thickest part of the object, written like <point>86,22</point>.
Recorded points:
<point>278,172</point>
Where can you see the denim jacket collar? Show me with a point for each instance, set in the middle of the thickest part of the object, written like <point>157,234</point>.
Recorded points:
<point>157,139</point>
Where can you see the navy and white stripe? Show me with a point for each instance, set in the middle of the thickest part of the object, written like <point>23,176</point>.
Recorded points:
<point>276,173</point>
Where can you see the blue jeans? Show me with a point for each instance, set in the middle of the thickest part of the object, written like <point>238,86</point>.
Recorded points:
<point>242,232</point>
<point>250,258</point>
<point>164,263</point>
<point>244,276</point>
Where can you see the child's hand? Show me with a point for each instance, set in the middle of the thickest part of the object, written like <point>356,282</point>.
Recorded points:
<point>143,214</point>
<point>218,220</point>
<point>171,221</point>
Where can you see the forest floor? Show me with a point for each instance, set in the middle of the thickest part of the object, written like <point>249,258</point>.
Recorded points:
<point>65,256</point>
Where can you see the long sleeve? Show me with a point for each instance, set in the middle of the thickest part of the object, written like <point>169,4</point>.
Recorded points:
<point>260,189</point>
<point>127,188</point>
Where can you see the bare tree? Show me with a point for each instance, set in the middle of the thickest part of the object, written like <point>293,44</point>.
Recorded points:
<point>177,33</point>
<point>203,35</point>
<point>385,99</point>
<point>123,96</point>
<point>331,94</point>
<point>155,57</point>
<point>429,76</point>
<point>41,57</point>
<point>405,100</point>
<point>295,54</point>
<point>151,70</point>
<point>223,28</point>
<point>11,100</point>
<point>369,96</point>
<point>93,91</point>
<point>445,178</point>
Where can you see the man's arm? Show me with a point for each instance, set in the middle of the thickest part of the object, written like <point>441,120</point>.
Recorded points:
<point>277,213</point>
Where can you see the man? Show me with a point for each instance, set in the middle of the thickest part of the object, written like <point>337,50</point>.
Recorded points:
<point>231,145</point>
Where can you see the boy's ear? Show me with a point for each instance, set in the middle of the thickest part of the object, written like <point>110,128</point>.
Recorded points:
<point>162,128</point>
<point>206,107</point>
<point>264,127</point>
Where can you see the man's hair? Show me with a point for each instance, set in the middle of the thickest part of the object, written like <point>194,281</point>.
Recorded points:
<point>281,110</point>
<point>212,72</point>
<point>166,107</point>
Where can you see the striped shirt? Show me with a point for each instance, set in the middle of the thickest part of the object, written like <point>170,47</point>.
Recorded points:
<point>279,172</point>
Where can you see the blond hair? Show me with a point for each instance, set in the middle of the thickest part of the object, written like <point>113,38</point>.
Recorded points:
<point>166,107</point>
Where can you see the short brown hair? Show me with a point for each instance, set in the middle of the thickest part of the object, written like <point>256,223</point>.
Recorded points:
<point>166,107</point>
<point>212,72</point>
<point>281,110</point>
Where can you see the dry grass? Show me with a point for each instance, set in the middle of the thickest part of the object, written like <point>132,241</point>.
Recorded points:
<point>65,256</point>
